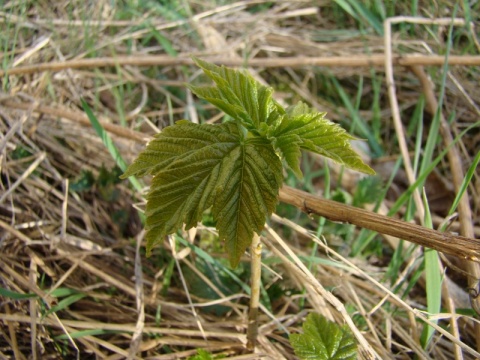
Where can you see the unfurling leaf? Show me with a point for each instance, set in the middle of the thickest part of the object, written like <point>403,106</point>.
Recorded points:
<point>323,340</point>
<point>234,167</point>
<point>303,128</point>
<point>239,95</point>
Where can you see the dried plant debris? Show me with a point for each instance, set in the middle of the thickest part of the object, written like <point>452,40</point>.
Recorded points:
<point>74,278</point>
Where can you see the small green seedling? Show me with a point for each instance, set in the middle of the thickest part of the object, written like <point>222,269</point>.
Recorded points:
<point>235,167</point>
<point>323,340</point>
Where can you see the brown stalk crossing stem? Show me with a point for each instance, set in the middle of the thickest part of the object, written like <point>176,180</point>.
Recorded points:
<point>459,246</point>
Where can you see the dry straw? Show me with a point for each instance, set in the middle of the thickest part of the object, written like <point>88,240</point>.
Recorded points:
<point>54,238</point>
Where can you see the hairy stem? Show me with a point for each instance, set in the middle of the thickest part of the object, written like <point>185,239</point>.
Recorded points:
<point>256,268</point>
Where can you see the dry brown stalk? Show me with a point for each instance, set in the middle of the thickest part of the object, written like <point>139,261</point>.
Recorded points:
<point>184,59</point>
<point>397,121</point>
<point>459,246</point>
<point>77,117</point>
<point>153,329</point>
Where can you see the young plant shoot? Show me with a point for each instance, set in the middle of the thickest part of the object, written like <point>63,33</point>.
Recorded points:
<point>234,167</point>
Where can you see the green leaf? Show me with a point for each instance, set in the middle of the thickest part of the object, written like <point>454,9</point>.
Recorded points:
<point>233,167</point>
<point>181,139</point>
<point>186,172</point>
<point>304,128</point>
<point>197,166</point>
<point>289,146</point>
<point>250,178</point>
<point>323,340</point>
<point>239,95</point>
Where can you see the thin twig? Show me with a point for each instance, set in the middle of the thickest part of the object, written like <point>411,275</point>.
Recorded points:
<point>13,336</point>
<point>32,277</point>
<point>450,306</point>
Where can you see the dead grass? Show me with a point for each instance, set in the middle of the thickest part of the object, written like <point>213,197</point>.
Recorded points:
<point>90,241</point>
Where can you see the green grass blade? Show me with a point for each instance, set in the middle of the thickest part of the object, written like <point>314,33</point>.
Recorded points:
<point>366,236</point>
<point>347,8</point>
<point>91,332</point>
<point>164,42</point>
<point>416,121</point>
<point>364,129</point>
<point>65,303</point>
<point>433,279</point>
<point>362,14</point>
<point>466,181</point>
<point>435,125</point>
<point>467,12</point>
<point>62,292</point>
<point>358,97</point>
<point>377,125</point>
<point>422,176</point>
<point>167,277</point>
<point>366,14</point>
<point>414,8</point>
<point>10,42</point>
<point>15,295</point>
<point>108,142</point>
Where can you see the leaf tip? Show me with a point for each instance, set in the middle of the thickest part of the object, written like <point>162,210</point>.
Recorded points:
<point>126,174</point>
<point>234,261</point>
<point>298,172</point>
<point>366,169</point>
